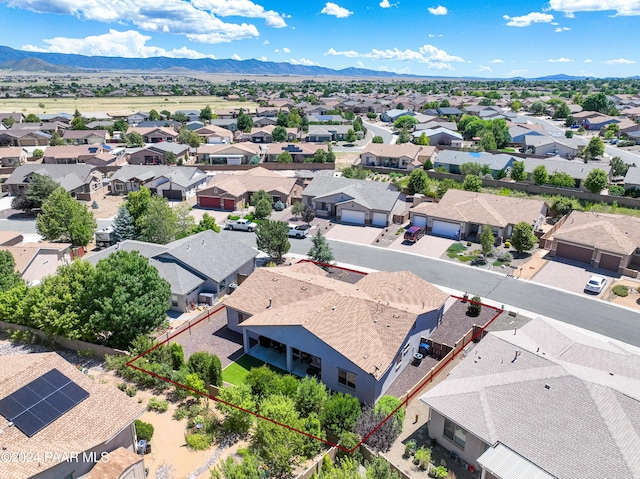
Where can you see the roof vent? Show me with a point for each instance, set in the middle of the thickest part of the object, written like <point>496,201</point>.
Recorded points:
<point>333,308</point>
<point>547,386</point>
<point>270,303</point>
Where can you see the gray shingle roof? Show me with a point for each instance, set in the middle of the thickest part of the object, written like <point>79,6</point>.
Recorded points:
<point>453,157</point>
<point>184,176</point>
<point>69,177</point>
<point>633,176</point>
<point>569,403</point>
<point>371,194</point>
<point>577,168</point>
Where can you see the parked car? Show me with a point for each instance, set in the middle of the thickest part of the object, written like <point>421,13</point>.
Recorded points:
<point>241,225</point>
<point>595,284</point>
<point>298,231</point>
<point>414,233</point>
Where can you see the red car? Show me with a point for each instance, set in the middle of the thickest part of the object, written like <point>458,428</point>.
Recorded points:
<point>414,233</point>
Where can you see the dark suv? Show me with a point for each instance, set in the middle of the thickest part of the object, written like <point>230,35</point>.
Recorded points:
<point>414,233</point>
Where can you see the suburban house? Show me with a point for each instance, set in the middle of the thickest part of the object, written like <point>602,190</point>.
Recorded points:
<point>233,154</point>
<point>50,408</point>
<point>451,160</point>
<point>137,118</point>
<point>328,133</point>
<point>605,241</point>
<point>545,401</point>
<point>392,115</point>
<point>157,154</point>
<point>440,136</point>
<point>299,151</point>
<point>406,156</point>
<point>81,180</point>
<point>265,134</point>
<point>215,134</point>
<point>462,214</point>
<point>171,182</point>
<point>552,145</point>
<point>85,137</point>
<point>518,132</point>
<point>155,134</point>
<point>23,138</point>
<point>34,261</point>
<point>71,154</point>
<point>233,191</point>
<point>199,268</point>
<point>324,118</point>
<point>632,179</point>
<point>596,123</point>
<point>11,156</point>
<point>262,121</point>
<point>359,202</point>
<point>230,124</point>
<point>577,169</point>
<point>192,115</point>
<point>357,338</point>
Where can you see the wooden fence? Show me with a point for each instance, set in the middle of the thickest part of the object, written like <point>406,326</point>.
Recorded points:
<point>369,455</point>
<point>317,464</point>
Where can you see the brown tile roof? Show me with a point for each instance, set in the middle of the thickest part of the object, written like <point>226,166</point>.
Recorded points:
<point>305,148</point>
<point>12,152</point>
<point>214,130</point>
<point>240,184</point>
<point>615,233</point>
<point>25,253</point>
<point>365,322</point>
<point>10,237</point>
<point>396,151</point>
<point>218,149</point>
<point>482,208</point>
<point>119,461</point>
<point>67,151</point>
<point>92,422</point>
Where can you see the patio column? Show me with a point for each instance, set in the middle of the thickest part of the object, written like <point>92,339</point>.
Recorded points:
<point>484,473</point>
<point>245,340</point>
<point>289,358</point>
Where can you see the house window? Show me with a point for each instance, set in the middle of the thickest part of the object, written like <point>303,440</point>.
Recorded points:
<point>455,433</point>
<point>118,186</point>
<point>398,361</point>
<point>174,300</point>
<point>405,350</point>
<point>346,378</point>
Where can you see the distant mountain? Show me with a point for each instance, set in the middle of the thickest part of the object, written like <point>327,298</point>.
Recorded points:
<point>559,77</point>
<point>35,65</point>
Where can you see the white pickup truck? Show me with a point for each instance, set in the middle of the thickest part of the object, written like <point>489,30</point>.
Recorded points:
<point>241,225</point>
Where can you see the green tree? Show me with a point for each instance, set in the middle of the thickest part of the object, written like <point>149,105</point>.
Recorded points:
<point>9,277</point>
<point>517,171</point>
<point>38,153</point>
<point>596,181</point>
<point>284,157</point>
<point>78,123</point>
<point>423,139</point>
<point>236,420</point>
<point>64,219</point>
<point>380,468</point>
<point>154,115</point>
<point>618,167</point>
<point>56,139</point>
<point>594,149</point>
<point>251,467</point>
<point>177,355</point>
<point>279,134</point>
<point>134,139</point>
<point>445,185</point>
<point>297,208</point>
<point>475,307</point>
<point>319,156</point>
<point>245,122</point>
<point>428,165</point>
<point>540,175</point>
<point>562,206</point>
<point>377,139</point>
<point>124,227</point>
<point>138,202</point>
<point>538,108</point>
<point>487,240</point>
<point>38,190</point>
<point>523,238</point>
<point>263,209</point>
<point>562,111</point>
<point>185,222</point>
<point>351,136</point>
<point>320,251</point>
<point>487,141</point>
<point>472,183</point>
<point>206,223</point>
<point>259,195</point>
<point>126,297</point>
<point>311,396</point>
<point>180,117</point>
<point>195,386</point>
<point>403,137</point>
<point>159,223</point>
<point>570,121</point>
<point>516,105</point>
<point>121,126</point>
<point>272,237</point>
<point>600,103</point>
<point>470,168</point>
<point>387,404</point>
<point>32,118</point>
<point>308,214</point>
<point>568,134</point>
<point>341,412</point>
<point>418,181</point>
<point>405,122</point>
<point>206,114</point>
<point>561,179</point>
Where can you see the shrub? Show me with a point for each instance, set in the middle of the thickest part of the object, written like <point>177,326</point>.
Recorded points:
<point>621,290</point>
<point>474,307</point>
<point>177,355</point>
<point>410,448</point>
<point>341,413</point>
<point>505,257</point>
<point>422,457</point>
<point>157,405</point>
<point>144,430</point>
<point>198,441</point>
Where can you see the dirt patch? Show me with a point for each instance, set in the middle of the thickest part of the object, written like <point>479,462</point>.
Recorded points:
<point>108,206</point>
<point>536,262</point>
<point>344,159</point>
<point>631,301</point>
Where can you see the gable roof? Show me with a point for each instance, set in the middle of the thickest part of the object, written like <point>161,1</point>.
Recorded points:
<point>577,168</point>
<point>454,157</point>
<point>483,208</point>
<point>94,421</point>
<point>252,180</point>
<point>409,150</point>
<point>69,177</point>
<point>184,176</point>
<point>371,194</point>
<point>567,397</point>
<point>365,322</point>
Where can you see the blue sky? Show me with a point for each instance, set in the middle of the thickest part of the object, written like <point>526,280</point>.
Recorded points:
<point>446,38</point>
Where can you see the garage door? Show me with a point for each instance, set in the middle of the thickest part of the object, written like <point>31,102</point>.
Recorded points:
<point>419,221</point>
<point>610,262</point>
<point>443,228</point>
<point>209,201</point>
<point>379,219</point>
<point>353,216</point>
<point>172,194</point>
<point>229,204</point>
<point>574,252</point>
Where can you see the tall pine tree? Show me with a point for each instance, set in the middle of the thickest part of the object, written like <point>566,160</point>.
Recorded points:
<point>124,226</point>
<point>320,251</point>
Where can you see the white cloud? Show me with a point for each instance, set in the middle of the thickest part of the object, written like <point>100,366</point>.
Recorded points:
<point>286,50</point>
<point>497,60</point>
<point>588,60</point>
<point>560,60</point>
<point>619,61</point>
<point>484,68</point>
<point>526,20</point>
<point>360,64</point>
<point>128,44</point>
<point>198,20</point>
<point>277,50</point>
<point>432,56</point>
<point>569,15</point>
<point>263,58</point>
<point>439,10</point>
<point>386,4</point>
<point>621,7</point>
<point>235,56</point>
<point>266,42</point>
<point>335,10</point>
<point>562,29</point>
<point>303,61</point>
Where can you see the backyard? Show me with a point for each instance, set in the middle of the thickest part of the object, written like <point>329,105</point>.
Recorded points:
<point>237,372</point>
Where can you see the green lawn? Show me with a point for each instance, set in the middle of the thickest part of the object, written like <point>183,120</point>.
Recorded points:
<point>237,372</point>
<point>454,249</point>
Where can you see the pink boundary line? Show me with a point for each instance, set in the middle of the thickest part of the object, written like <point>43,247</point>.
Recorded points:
<point>304,433</point>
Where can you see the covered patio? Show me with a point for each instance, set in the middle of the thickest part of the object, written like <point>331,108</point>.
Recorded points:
<point>286,357</point>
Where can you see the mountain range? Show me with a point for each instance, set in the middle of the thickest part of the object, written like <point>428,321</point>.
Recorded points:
<point>21,60</point>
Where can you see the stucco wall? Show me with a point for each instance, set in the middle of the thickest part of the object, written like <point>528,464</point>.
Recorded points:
<point>474,447</point>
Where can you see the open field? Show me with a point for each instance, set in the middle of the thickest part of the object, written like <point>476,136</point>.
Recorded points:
<point>117,105</point>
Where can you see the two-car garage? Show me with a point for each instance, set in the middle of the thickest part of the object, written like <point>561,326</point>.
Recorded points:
<point>446,229</point>
<point>353,216</point>
<point>587,255</point>
<point>217,202</point>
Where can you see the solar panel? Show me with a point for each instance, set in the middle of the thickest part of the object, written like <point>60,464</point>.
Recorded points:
<point>42,401</point>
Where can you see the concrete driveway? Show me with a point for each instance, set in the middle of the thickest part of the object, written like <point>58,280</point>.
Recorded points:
<point>431,246</point>
<point>353,233</point>
<point>570,275</point>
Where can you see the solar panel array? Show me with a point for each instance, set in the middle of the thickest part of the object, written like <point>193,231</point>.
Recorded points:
<point>37,404</point>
